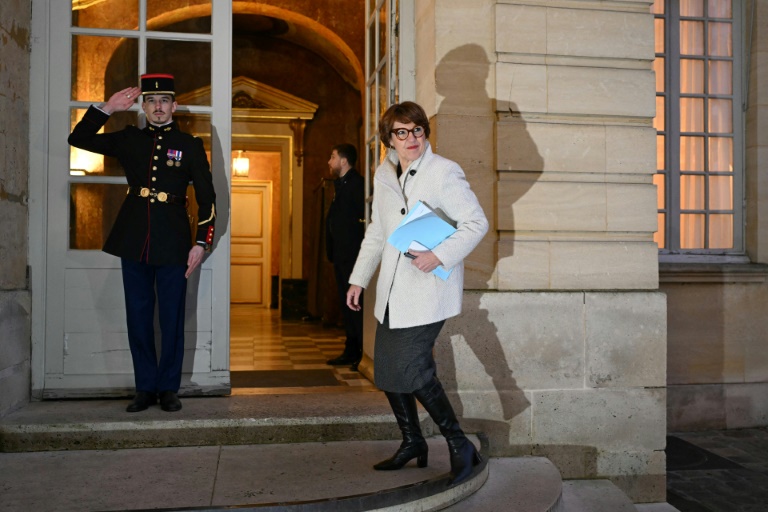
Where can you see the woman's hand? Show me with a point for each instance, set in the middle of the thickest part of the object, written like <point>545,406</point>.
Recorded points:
<point>353,297</point>
<point>426,261</point>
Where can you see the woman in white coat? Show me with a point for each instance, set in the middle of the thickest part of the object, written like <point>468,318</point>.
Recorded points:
<point>412,303</point>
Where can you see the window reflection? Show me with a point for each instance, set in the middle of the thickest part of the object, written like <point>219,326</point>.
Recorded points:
<point>188,61</point>
<point>96,57</point>
<point>93,209</point>
<point>114,14</point>
<point>187,16</point>
<point>85,163</point>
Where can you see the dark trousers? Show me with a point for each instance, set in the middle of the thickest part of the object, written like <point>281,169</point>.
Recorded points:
<point>353,320</point>
<point>139,280</point>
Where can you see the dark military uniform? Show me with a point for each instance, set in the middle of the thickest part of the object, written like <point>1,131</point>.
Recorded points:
<point>152,235</point>
<point>344,232</point>
<point>154,228</point>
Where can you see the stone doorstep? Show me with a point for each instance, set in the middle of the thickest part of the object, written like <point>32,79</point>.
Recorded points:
<point>339,479</point>
<point>277,419</point>
<point>264,419</point>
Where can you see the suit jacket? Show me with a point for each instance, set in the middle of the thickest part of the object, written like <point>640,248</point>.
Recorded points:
<point>345,224</point>
<point>147,229</point>
<point>414,297</point>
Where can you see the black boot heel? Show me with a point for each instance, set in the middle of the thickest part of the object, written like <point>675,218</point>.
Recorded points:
<point>403,456</point>
<point>464,455</point>
<point>413,446</point>
<point>464,458</point>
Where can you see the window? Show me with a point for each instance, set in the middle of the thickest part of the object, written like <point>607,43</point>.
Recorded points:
<point>381,73</point>
<point>699,127</point>
<point>112,42</point>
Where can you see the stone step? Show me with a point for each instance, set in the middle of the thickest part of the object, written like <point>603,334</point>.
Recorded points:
<point>312,451</point>
<point>595,496</point>
<point>316,477</point>
<point>235,420</point>
<point>519,484</point>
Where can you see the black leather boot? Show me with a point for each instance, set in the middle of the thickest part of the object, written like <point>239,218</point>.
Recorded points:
<point>464,455</point>
<point>413,445</point>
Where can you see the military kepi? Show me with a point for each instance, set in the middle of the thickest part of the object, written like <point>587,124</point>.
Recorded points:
<point>157,83</point>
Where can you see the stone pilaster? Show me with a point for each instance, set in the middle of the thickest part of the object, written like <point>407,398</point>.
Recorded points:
<point>561,348</point>
<point>14,174</point>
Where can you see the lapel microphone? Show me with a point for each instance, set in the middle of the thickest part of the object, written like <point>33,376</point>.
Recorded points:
<point>412,172</point>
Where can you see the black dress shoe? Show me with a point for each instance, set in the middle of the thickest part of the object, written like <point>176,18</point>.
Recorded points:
<point>169,402</point>
<point>142,401</point>
<point>342,360</point>
<point>354,366</point>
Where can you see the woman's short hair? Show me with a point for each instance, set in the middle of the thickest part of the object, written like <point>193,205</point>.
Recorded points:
<point>405,112</point>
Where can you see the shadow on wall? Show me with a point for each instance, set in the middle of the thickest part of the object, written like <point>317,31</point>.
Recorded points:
<point>472,338</point>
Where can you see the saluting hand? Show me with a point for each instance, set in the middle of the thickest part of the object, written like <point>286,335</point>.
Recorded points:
<point>121,100</point>
<point>194,259</point>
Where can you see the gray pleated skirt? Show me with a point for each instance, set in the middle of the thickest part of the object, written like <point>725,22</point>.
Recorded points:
<point>402,358</point>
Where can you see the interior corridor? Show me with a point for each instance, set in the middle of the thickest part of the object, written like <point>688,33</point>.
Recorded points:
<point>269,355</point>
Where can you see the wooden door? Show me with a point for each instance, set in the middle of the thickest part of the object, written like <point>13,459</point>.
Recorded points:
<point>250,250</point>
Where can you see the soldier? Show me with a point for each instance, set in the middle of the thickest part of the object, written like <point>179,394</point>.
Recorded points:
<point>151,234</point>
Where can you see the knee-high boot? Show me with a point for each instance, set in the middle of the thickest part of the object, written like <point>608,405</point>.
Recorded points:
<point>464,455</point>
<point>413,445</point>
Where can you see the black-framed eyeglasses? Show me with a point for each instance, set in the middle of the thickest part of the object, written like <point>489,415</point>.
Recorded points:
<point>402,133</point>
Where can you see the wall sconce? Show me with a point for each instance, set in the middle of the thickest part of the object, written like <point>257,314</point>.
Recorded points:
<point>240,165</point>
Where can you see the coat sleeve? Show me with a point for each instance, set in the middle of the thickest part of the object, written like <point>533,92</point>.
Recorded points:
<point>202,181</point>
<point>369,257</point>
<point>85,134</point>
<point>460,204</point>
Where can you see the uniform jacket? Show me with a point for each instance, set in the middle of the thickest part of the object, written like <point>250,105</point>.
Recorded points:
<point>145,226</point>
<point>414,297</point>
<point>345,224</point>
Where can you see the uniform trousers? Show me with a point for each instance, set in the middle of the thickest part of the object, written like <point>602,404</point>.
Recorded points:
<point>353,320</point>
<point>139,283</point>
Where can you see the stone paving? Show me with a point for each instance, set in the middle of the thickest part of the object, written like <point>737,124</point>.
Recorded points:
<point>718,471</point>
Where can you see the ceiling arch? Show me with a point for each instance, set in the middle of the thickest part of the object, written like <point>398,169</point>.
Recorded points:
<point>296,28</point>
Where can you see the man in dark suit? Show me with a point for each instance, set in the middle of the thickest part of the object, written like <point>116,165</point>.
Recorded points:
<point>151,234</point>
<point>344,231</point>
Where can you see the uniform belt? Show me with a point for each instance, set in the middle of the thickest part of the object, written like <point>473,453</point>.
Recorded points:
<point>163,197</point>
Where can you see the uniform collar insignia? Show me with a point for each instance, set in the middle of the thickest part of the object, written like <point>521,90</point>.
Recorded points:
<point>165,128</point>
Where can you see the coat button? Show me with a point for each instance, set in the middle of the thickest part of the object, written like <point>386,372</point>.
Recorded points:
<point>154,167</point>
<point>155,157</point>
<point>402,211</point>
<point>154,178</point>
<point>158,146</point>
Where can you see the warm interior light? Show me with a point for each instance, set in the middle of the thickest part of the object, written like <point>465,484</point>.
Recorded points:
<point>240,165</point>
<point>83,162</point>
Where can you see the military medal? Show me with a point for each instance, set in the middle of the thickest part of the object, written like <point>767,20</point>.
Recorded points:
<point>174,158</point>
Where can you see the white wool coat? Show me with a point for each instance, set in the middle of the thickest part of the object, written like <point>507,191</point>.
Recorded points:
<point>414,297</point>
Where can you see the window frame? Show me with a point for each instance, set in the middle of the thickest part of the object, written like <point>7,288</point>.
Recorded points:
<point>671,208</point>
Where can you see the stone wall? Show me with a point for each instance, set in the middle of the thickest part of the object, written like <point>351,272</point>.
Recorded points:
<point>717,368</point>
<point>15,20</point>
<point>718,362</point>
<point>561,348</point>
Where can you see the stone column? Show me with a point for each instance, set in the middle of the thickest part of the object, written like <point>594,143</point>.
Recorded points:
<point>561,348</point>
<point>14,196</point>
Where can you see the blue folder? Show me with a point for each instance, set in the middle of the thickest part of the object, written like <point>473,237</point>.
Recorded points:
<point>422,229</point>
